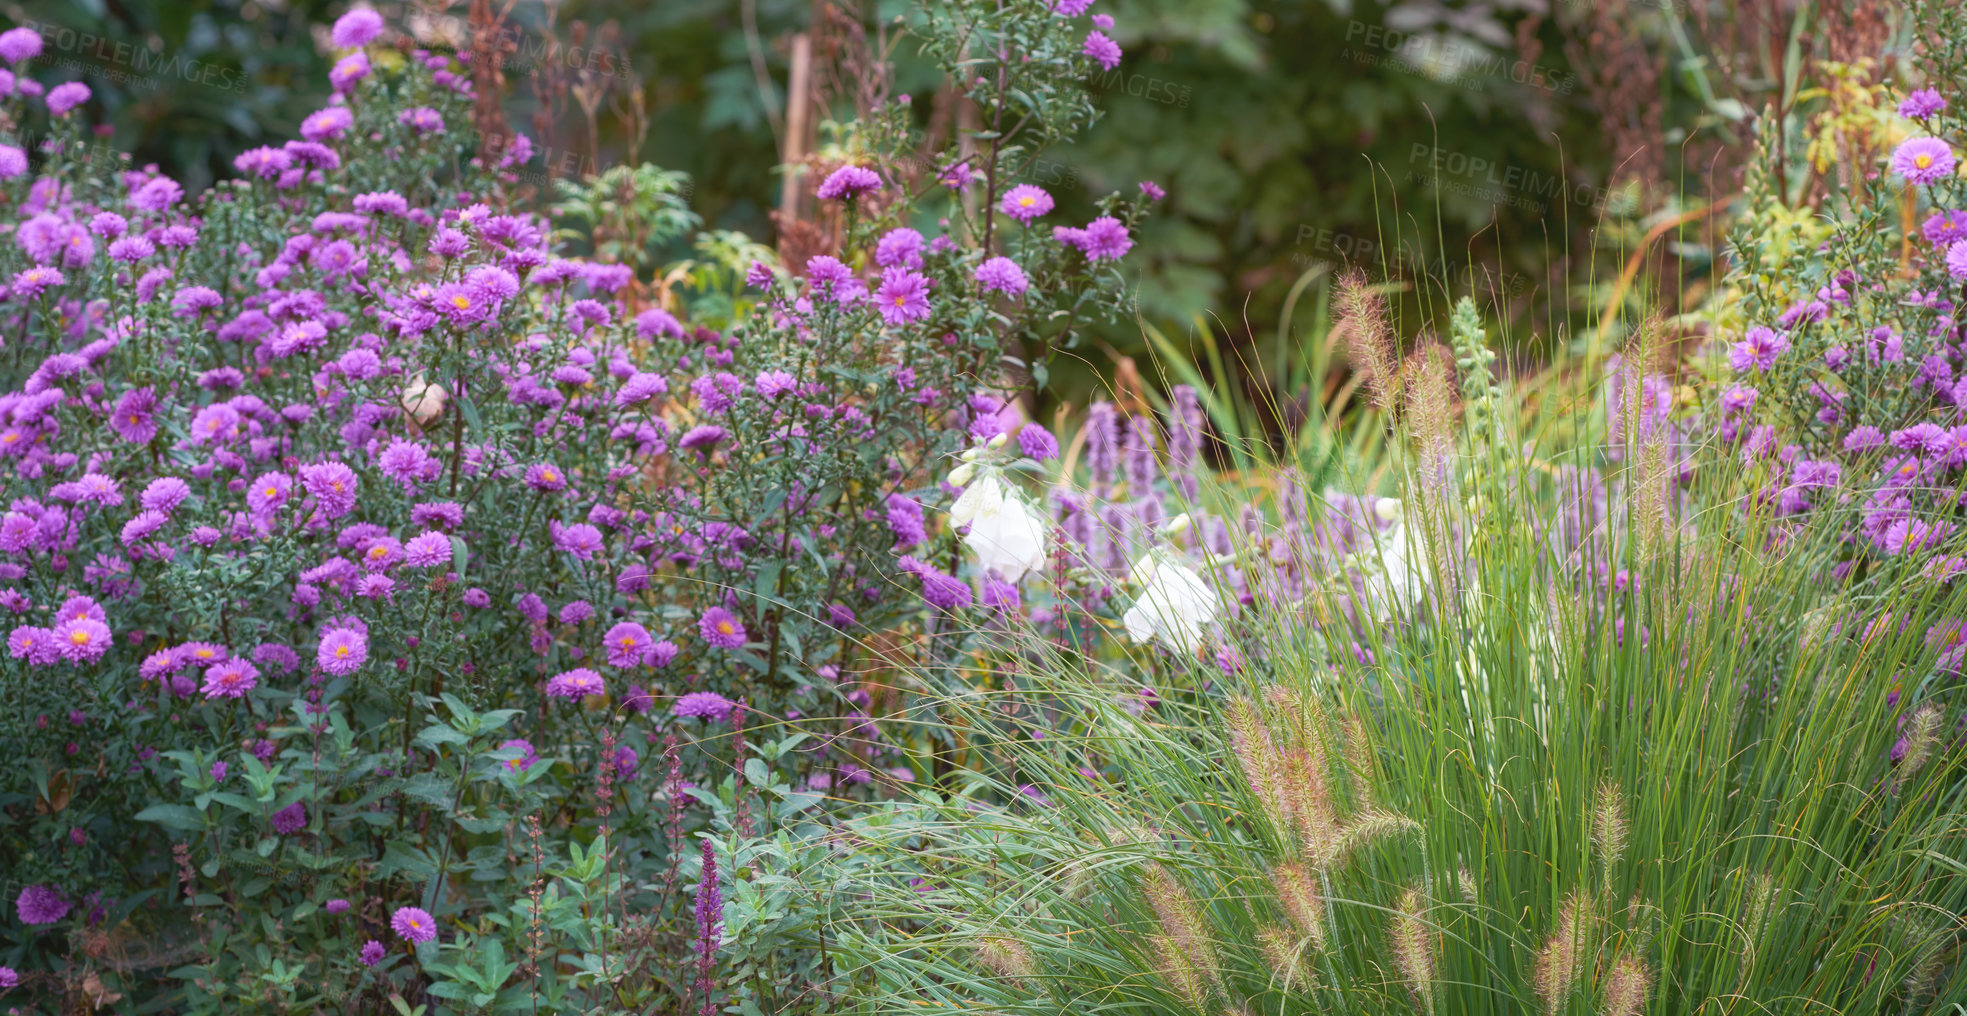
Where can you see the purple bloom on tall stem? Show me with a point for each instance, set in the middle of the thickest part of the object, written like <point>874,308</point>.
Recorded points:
<point>905,521</point>
<point>65,97</point>
<point>848,182</point>
<point>903,296</point>
<point>1923,160</point>
<point>17,44</point>
<point>231,679</point>
<point>414,924</point>
<point>134,418</point>
<point>372,953</point>
<point>627,644</point>
<point>1002,275</point>
<point>721,628</point>
<point>1037,443</point>
<point>1025,202</point>
<point>1758,349</point>
<point>291,819</point>
<point>579,682</point>
<point>703,438</point>
<point>343,651</point>
<point>40,904</point>
<point>1922,104</point>
<point>706,704</point>
<point>358,27</point>
<point>710,917</point>
<point>1102,49</point>
<point>1104,239</point>
<point>901,247</point>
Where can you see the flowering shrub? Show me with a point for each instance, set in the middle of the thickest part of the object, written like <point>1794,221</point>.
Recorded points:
<point>392,595</point>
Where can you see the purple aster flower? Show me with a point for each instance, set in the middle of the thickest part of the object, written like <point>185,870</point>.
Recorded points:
<point>35,281</point>
<point>40,904</point>
<point>580,539</point>
<point>64,97</point>
<point>905,521</point>
<point>1758,349</point>
<point>1104,238</point>
<point>1152,191</point>
<point>231,679</point>
<point>335,907</point>
<point>13,162</point>
<point>343,650</point>
<point>1923,160</point>
<point>1103,21</point>
<point>427,550</point>
<point>1070,8</point>
<point>721,628</point>
<point>576,683</point>
<point>1037,443</point>
<point>422,120</point>
<point>943,591</point>
<point>18,44</point>
<point>357,28</point>
<point>848,182</point>
<point>290,820</point>
<point>164,494</point>
<point>1103,50</point>
<point>413,923</point>
<point>134,418</point>
<point>333,485</point>
<point>1943,229</point>
<point>1002,275</point>
<point>1922,104</point>
<point>899,247</point>
<point>1025,202</point>
<point>638,700</point>
<point>770,384</point>
<point>545,478</point>
<point>703,438</point>
<point>706,704</point>
<point>903,297</point>
<point>1957,259</point>
<point>82,639</point>
<point>627,643</point>
<point>8,977</point>
<point>327,124</point>
<point>372,953</point>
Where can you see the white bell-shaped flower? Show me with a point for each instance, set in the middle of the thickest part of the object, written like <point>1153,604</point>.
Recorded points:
<point>1396,577</point>
<point>1176,607</point>
<point>1006,536</point>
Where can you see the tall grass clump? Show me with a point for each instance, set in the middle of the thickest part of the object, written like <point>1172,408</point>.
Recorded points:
<point>1640,694</point>
<point>1623,751</point>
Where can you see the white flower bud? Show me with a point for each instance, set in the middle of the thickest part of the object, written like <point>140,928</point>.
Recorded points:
<point>1176,526</point>
<point>960,476</point>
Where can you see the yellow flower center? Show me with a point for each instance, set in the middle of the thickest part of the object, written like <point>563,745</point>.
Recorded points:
<point>900,300</point>
<point>628,641</point>
<point>1027,201</point>
<point>341,651</point>
<point>80,638</point>
<point>1922,160</point>
<point>378,553</point>
<point>203,654</point>
<point>272,492</point>
<point>724,627</point>
<point>10,438</point>
<point>461,302</point>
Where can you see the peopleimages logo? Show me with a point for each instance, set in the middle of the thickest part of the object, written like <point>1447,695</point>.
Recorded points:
<point>128,63</point>
<point>1449,59</point>
<point>1487,179</point>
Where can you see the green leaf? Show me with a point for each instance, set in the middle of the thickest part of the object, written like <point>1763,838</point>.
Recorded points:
<point>174,816</point>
